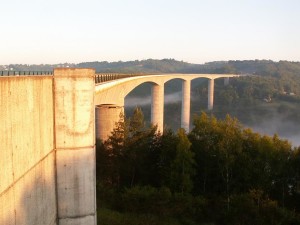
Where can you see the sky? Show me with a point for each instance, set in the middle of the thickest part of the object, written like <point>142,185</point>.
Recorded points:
<point>195,31</point>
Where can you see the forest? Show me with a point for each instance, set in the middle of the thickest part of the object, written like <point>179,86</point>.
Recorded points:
<point>218,173</point>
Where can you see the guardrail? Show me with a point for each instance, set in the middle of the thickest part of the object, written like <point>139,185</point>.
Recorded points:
<point>103,77</point>
<point>24,73</point>
<point>99,77</point>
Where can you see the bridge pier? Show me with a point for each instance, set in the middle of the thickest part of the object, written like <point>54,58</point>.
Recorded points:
<point>211,85</point>
<point>157,106</point>
<point>186,105</point>
<point>107,115</point>
<point>75,146</point>
<point>226,81</point>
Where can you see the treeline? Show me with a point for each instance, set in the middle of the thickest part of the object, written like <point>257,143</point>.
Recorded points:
<point>258,67</point>
<point>219,173</point>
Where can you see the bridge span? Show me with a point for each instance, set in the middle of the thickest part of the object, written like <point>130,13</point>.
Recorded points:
<point>110,95</point>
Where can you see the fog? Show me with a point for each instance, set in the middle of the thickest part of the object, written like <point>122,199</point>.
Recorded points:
<point>143,101</point>
<point>278,124</point>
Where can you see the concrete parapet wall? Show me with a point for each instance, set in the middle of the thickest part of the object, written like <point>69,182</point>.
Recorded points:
<point>27,166</point>
<point>47,149</point>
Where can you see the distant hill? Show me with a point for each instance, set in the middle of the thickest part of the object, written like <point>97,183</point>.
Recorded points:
<point>259,67</point>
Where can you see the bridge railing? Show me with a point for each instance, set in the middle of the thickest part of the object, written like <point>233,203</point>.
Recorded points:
<point>99,77</point>
<point>103,77</point>
<point>24,73</point>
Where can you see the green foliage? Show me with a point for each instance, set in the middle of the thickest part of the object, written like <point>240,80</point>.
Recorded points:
<point>182,167</point>
<point>220,173</point>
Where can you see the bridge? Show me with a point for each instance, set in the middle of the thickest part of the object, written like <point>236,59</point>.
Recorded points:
<point>47,127</point>
<point>110,95</point>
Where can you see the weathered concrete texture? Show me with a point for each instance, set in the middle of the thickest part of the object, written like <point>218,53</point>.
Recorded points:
<point>7,207</point>
<point>27,178</point>
<point>76,182</point>
<point>185,105</point>
<point>74,142</point>
<point>26,125</point>
<point>88,220</point>
<point>211,84</point>
<point>74,99</point>
<point>31,200</point>
<point>107,116</point>
<point>36,194</point>
<point>157,106</point>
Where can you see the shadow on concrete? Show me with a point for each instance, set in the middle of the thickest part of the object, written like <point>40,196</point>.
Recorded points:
<point>31,200</point>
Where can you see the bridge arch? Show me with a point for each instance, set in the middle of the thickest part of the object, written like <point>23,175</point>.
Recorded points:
<point>114,92</point>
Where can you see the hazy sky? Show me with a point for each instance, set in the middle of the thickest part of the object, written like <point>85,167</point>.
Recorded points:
<point>58,31</point>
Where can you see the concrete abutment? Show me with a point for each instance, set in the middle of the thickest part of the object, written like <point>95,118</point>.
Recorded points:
<point>75,146</point>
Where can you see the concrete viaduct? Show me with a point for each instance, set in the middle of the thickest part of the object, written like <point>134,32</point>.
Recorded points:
<point>47,136</point>
<point>109,98</point>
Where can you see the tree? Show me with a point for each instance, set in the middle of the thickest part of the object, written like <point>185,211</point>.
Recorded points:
<point>229,147</point>
<point>183,164</point>
<point>204,137</point>
<point>138,147</point>
<point>110,154</point>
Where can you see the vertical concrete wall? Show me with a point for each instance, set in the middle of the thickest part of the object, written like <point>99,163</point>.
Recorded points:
<point>75,146</point>
<point>27,165</point>
<point>107,115</point>
<point>47,156</point>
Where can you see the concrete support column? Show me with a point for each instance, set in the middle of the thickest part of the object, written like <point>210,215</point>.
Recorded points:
<point>211,84</point>
<point>226,81</point>
<point>107,115</point>
<point>75,146</point>
<point>157,106</point>
<point>185,105</point>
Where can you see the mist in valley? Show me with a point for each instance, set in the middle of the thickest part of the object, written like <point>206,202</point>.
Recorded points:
<point>132,102</point>
<point>276,123</point>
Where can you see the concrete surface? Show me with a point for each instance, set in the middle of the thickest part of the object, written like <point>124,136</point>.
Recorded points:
<point>186,105</point>
<point>210,101</point>
<point>27,185</point>
<point>106,118</point>
<point>75,145</point>
<point>157,106</point>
